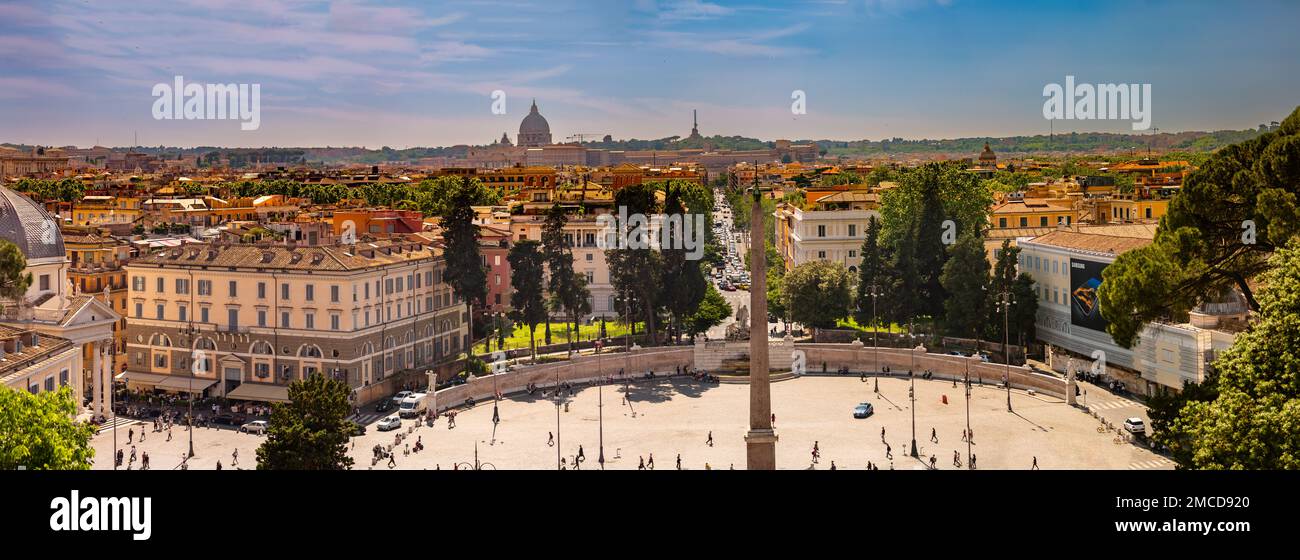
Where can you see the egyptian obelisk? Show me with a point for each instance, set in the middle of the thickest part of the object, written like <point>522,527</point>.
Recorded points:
<point>760,441</point>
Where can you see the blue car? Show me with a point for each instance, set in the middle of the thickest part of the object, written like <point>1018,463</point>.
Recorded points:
<point>863,410</point>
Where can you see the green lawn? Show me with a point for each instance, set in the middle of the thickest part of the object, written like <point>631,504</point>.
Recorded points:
<point>849,323</point>
<point>559,334</point>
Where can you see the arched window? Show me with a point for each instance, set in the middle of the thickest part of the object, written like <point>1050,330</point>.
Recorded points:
<point>159,339</point>
<point>310,351</point>
<point>261,347</point>
<point>204,343</point>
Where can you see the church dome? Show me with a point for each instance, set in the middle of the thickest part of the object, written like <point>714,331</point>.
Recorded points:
<point>27,225</point>
<point>534,130</point>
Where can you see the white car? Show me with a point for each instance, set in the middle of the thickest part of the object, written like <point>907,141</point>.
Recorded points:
<point>1135,425</point>
<point>255,427</point>
<point>401,396</point>
<point>389,423</point>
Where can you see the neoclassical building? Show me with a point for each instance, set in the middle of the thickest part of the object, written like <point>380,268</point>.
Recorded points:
<point>244,321</point>
<point>54,335</point>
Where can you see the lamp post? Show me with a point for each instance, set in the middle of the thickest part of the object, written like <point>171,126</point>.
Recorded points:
<point>477,466</point>
<point>969,465</point>
<point>1006,302</point>
<point>557,419</point>
<point>600,407</point>
<point>911,395</point>
<point>875,325</point>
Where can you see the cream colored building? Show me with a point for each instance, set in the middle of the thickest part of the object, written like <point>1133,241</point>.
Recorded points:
<point>244,321</point>
<point>834,235</point>
<point>1163,357</point>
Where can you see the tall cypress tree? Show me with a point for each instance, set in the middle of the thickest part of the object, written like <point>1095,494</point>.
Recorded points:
<point>465,271</point>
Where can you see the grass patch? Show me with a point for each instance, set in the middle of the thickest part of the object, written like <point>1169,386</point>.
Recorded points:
<point>559,334</point>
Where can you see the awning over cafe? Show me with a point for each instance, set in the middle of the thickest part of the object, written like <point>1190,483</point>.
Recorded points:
<point>260,392</point>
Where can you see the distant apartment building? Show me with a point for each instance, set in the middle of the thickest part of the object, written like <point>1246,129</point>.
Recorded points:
<point>831,228</point>
<point>264,316</point>
<point>39,161</point>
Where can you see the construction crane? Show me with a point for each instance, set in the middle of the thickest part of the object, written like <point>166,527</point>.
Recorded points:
<point>582,136</point>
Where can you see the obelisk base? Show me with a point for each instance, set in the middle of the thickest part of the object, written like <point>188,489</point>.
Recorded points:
<point>760,450</point>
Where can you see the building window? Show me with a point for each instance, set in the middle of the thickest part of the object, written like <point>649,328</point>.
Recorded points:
<point>232,318</point>
<point>139,310</point>
<point>821,231</point>
<point>203,313</point>
<point>137,283</point>
<point>821,254</point>
<point>45,282</point>
<point>853,230</point>
<point>334,322</point>
<point>334,294</point>
<point>261,317</point>
<point>311,320</point>
<point>182,314</point>
<point>160,285</point>
<point>311,292</point>
<point>182,286</point>
<point>284,319</point>
<point>261,290</point>
<point>1002,222</point>
<point>205,287</point>
<point>161,307</point>
<point>234,292</point>
<point>1024,221</point>
<point>284,292</point>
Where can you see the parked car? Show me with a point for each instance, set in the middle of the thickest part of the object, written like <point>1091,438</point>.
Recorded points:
<point>1135,425</point>
<point>384,405</point>
<point>863,410</point>
<point>389,423</point>
<point>255,427</point>
<point>401,396</point>
<point>225,419</point>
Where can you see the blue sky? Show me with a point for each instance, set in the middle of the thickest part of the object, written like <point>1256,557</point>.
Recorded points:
<point>421,73</point>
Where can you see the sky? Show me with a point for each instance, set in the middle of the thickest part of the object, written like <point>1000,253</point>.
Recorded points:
<point>403,74</point>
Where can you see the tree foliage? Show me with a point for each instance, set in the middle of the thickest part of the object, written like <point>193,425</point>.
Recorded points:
<point>311,431</point>
<point>38,431</point>
<point>1231,214</point>
<point>818,293</point>
<point>965,278</point>
<point>1250,416</point>
<point>527,299</point>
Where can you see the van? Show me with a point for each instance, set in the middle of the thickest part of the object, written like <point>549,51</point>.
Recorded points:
<point>414,405</point>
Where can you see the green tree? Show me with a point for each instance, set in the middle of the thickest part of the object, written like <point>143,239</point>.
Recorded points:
<point>1230,215</point>
<point>465,271</point>
<point>636,274</point>
<point>14,280</point>
<point>311,431</point>
<point>818,293</point>
<point>965,278</point>
<point>39,432</point>
<point>527,300</point>
<point>711,312</point>
<point>568,289</point>
<point>871,273</point>
<point>1253,422</point>
<point>683,280</point>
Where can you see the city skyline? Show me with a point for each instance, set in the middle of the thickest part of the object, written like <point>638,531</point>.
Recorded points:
<point>356,74</point>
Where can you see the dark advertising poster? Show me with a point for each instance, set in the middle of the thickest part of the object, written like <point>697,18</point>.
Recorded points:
<point>1085,278</point>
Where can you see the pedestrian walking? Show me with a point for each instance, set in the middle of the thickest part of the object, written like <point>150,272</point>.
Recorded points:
<point>234,457</point>
<point>956,459</point>
<point>1035,467</point>
<point>889,452</point>
<point>934,435</point>
<point>882,434</point>
<point>130,435</point>
<point>832,465</point>
<point>933,462</point>
<point>651,464</point>
<point>641,465</point>
<point>709,442</point>
<point>218,465</point>
<point>679,461</point>
<point>550,439</point>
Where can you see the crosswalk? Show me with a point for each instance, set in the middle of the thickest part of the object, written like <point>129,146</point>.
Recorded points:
<point>121,423</point>
<point>365,418</point>
<point>1110,405</point>
<point>1153,464</point>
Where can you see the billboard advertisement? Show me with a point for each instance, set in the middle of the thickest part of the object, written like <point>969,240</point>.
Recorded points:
<point>1085,278</point>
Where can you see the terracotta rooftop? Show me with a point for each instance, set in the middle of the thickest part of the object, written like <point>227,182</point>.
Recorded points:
<point>340,258</point>
<point>1092,242</point>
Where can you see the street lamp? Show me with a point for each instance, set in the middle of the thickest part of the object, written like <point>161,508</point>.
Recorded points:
<point>911,395</point>
<point>477,466</point>
<point>969,464</point>
<point>557,419</point>
<point>600,406</point>
<point>875,325</point>
<point>1006,302</point>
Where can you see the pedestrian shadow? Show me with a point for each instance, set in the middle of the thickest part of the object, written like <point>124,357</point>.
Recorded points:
<point>891,403</point>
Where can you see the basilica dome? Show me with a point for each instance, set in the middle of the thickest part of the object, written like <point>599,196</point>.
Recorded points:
<point>534,130</point>
<point>27,225</point>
